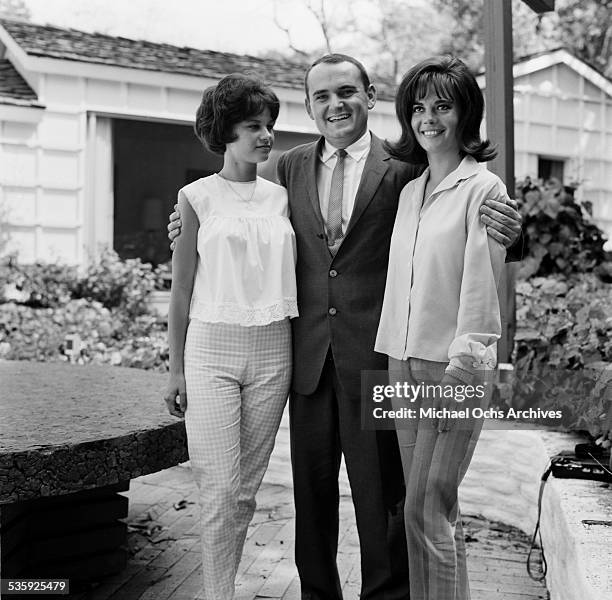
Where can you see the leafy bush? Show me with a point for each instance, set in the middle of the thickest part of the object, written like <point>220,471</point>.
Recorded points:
<point>39,285</point>
<point>28,333</point>
<point>563,349</point>
<point>112,282</point>
<point>106,307</point>
<point>566,323</point>
<point>116,283</point>
<point>560,237</point>
<point>563,342</point>
<point>106,337</point>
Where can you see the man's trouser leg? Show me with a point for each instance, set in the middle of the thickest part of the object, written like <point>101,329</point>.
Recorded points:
<point>323,426</point>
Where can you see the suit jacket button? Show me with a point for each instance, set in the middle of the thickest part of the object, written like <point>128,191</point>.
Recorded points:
<point>333,273</point>
<point>332,311</point>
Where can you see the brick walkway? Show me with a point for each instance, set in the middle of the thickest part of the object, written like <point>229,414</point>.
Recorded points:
<point>164,549</point>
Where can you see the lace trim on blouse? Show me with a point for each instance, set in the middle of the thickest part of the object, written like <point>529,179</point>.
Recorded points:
<point>244,315</point>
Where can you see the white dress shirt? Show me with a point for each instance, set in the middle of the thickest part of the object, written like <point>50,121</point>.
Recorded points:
<point>356,155</point>
<point>440,299</point>
<point>246,252</point>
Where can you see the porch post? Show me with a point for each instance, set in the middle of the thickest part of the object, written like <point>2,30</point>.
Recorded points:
<point>499,93</point>
<point>99,207</point>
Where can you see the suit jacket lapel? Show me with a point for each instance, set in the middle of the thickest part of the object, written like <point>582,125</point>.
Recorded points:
<point>373,171</point>
<point>309,166</point>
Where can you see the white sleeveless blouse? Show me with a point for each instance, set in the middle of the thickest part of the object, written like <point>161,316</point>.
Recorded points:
<point>246,252</point>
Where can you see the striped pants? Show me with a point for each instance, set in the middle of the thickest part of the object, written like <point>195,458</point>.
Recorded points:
<point>434,465</point>
<point>237,385</point>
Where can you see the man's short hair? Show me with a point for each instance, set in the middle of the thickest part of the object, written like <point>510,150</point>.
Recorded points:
<point>334,59</point>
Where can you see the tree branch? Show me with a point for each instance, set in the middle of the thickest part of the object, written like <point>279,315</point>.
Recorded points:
<point>287,32</point>
<point>321,18</point>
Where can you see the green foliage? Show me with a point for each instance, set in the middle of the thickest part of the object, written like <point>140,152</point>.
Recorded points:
<point>116,283</point>
<point>563,349</point>
<point>375,30</point>
<point>582,26</point>
<point>112,282</point>
<point>585,26</point>
<point>466,38</point>
<point>560,237</point>
<point>106,336</point>
<point>107,307</point>
<point>563,342</point>
<point>28,333</point>
<point>39,285</point>
<point>566,324</point>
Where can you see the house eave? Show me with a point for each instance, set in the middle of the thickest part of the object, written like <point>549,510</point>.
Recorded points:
<point>20,111</point>
<point>560,56</point>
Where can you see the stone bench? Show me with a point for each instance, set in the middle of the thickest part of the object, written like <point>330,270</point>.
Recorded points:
<point>502,484</point>
<point>71,438</point>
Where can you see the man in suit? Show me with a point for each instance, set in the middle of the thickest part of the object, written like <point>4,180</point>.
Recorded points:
<point>343,208</point>
<point>340,294</point>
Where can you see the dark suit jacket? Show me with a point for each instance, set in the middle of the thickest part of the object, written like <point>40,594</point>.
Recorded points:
<point>352,282</point>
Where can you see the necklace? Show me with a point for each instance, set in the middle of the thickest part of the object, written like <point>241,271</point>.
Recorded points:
<point>233,189</point>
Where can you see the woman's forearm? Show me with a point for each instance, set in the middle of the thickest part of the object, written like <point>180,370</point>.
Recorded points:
<point>178,319</point>
<point>184,260</point>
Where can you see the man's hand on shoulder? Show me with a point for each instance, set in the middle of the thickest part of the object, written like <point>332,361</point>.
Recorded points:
<point>503,221</point>
<point>174,226</point>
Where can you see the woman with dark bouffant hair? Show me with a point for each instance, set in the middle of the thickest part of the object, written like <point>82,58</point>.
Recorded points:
<point>233,293</point>
<point>440,319</point>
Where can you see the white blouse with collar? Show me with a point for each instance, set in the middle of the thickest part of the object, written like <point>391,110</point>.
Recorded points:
<point>441,299</point>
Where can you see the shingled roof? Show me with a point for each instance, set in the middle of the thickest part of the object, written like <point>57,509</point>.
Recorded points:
<point>14,89</point>
<point>70,44</point>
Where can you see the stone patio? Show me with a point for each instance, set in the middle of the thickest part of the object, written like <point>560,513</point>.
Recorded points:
<point>164,550</point>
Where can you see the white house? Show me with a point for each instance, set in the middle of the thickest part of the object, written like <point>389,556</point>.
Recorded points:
<point>563,127</point>
<point>96,134</point>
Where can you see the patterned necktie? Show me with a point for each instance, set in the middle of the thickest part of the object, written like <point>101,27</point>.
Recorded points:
<point>334,208</point>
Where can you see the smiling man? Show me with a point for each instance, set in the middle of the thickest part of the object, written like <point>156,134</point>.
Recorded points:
<point>338,98</point>
<point>341,281</point>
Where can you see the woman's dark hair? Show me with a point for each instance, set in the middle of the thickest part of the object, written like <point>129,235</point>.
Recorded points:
<point>234,99</point>
<point>450,78</point>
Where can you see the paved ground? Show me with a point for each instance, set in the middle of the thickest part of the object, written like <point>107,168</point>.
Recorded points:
<point>164,549</point>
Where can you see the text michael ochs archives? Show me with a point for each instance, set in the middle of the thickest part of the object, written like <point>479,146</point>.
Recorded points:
<point>404,400</point>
